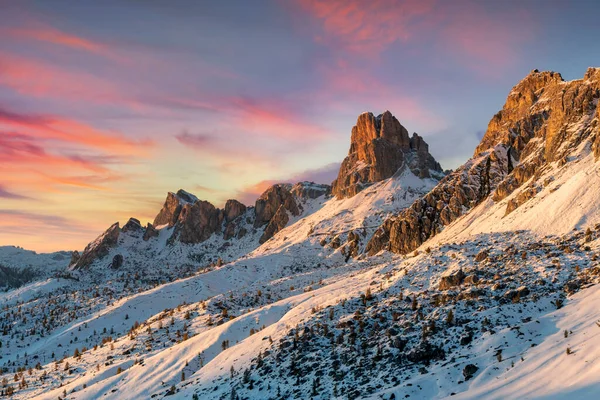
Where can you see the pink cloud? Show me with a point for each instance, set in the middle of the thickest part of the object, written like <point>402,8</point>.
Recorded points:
<point>371,27</point>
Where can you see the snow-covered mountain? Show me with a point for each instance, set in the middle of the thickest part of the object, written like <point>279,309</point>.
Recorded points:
<point>400,282</point>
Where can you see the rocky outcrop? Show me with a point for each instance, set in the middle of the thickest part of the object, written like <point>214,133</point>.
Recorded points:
<point>75,256</point>
<point>133,225</point>
<point>233,209</point>
<point>310,190</point>
<point>197,222</point>
<point>543,120</point>
<point>99,248</point>
<point>451,280</point>
<point>117,262</point>
<point>277,223</point>
<point>455,195</point>
<point>379,147</point>
<point>150,232</point>
<point>269,202</point>
<point>169,214</point>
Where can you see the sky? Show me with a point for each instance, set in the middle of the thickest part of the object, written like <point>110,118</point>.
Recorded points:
<point>105,106</point>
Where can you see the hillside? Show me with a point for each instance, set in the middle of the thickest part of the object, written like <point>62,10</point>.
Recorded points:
<point>399,281</point>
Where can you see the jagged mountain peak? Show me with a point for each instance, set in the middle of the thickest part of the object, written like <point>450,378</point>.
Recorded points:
<point>379,147</point>
<point>541,127</point>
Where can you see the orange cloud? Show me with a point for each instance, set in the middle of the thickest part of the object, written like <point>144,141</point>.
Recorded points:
<point>70,131</point>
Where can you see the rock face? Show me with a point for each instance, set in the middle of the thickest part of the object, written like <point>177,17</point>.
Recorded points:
<point>310,190</point>
<point>269,202</point>
<point>379,147</point>
<point>169,214</point>
<point>150,232</point>
<point>233,209</point>
<point>543,120</point>
<point>197,222</point>
<point>133,225</point>
<point>277,223</point>
<point>98,248</point>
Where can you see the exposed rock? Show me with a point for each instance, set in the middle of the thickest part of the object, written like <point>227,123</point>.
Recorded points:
<point>150,232</point>
<point>523,196</point>
<point>277,223</point>
<point>233,209</point>
<point>466,338</point>
<point>481,256</point>
<point>133,225</point>
<point>471,280</point>
<point>452,280</point>
<point>117,262</point>
<point>352,245</point>
<point>98,248</point>
<point>335,242</point>
<point>270,201</point>
<point>74,257</point>
<point>310,190</point>
<point>469,370</point>
<point>169,214</point>
<point>516,294</point>
<point>197,222</point>
<point>379,147</point>
<point>425,352</point>
<point>558,114</point>
<point>229,231</point>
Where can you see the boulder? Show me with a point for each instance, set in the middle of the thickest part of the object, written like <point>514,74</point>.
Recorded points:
<point>451,280</point>
<point>469,370</point>
<point>117,262</point>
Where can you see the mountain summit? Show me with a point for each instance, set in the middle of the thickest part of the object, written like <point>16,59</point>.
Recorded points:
<point>379,147</point>
<point>541,128</point>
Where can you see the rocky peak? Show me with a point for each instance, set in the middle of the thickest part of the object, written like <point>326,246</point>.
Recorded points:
<point>133,225</point>
<point>197,222</point>
<point>98,248</point>
<point>544,120</point>
<point>268,203</point>
<point>169,213</point>
<point>379,147</point>
<point>310,190</point>
<point>233,209</point>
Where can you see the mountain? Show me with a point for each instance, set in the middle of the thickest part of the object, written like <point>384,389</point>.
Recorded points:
<point>379,148</point>
<point>194,233</point>
<point>545,126</point>
<point>19,266</point>
<point>398,281</point>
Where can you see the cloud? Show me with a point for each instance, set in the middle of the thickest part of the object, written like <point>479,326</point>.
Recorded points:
<point>470,34</point>
<point>21,149</point>
<point>5,194</point>
<point>366,27</point>
<point>71,131</point>
<point>48,34</point>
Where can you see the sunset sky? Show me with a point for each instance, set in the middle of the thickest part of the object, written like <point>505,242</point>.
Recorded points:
<point>107,105</point>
